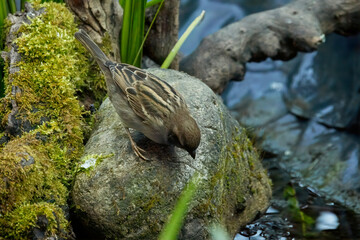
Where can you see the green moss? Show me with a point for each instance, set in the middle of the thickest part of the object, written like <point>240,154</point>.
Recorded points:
<point>106,44</point>
<point>50,71</point>
<point>155,200</point>
<point>38,166</point>
<point>28,175</point>
<point>60,41</point>
<point>19,223</point>
<point>4,30</point>
<point>232,177</point>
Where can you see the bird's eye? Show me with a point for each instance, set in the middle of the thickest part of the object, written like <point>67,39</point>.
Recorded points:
<point>173,139</point>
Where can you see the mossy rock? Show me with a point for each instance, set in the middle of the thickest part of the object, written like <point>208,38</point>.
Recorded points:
<point>35,221</point>
<point>41,120</point>
<point>124,197</point>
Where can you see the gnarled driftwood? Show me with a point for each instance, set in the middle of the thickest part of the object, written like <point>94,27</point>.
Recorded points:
<point>278,34</point>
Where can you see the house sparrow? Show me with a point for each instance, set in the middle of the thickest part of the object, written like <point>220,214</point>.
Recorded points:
<point>146,103</point>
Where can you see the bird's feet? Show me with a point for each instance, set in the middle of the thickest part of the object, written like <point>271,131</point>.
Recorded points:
<point>137,150</point>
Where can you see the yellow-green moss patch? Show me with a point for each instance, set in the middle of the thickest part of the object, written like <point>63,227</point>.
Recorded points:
<point>20,223</point>
<point>28,175</point>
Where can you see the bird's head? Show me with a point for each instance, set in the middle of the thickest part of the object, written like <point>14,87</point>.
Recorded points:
<point>185,134</point>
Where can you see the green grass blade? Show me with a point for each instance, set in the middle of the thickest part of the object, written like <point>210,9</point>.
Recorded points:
<point>4,8</point>
<point>152,3</point>
<point>12,6</point>
<point>138,33</point>
<point>182,39</point>
<point>23,4</point>
<point>125,31</point>
<point>3,15</point>
<point>172,228</point>
<point>132,32</point>
<point>122,3</point>
<point>148,31</point>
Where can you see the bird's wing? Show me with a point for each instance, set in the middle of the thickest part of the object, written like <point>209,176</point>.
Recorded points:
<point>149,97</point>
<point>164,90</point>
<point>124,75</point>
<point>147,104</point>
<point>134,102</point>
<point>153,105</point>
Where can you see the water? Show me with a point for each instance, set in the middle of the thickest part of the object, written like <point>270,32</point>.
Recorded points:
<point>297,211</point>
<point>322,219</point>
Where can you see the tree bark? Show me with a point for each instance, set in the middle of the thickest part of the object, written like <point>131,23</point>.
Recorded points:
<point>164,33</point>
<point>97,18</point>
<point>279,34</point>
<point>16,125</point>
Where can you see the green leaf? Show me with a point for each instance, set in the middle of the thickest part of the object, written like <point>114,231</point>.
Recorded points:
<point>122,3</point>
<point>23,4</point>
<point>182,39</point>
<point>152,3</point>
<point>173,226</point>
<point>4,10</point>
<point>12,6</point>
<point>148,31</point>
<point>132,32</point>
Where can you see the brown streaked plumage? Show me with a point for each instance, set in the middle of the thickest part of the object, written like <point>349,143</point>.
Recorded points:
<point>146,103</point>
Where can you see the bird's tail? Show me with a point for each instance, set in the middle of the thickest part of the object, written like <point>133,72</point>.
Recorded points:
<point>91,46</point>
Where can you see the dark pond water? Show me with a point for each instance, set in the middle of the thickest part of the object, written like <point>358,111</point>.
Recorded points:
<point>297,211</point>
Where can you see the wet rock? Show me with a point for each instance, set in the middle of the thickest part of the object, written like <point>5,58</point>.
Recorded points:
<point>324,89</point>
<point>26,159</point>
<point>318,156</point>
<point>260,112</point>
<point>293,126</point>
<point>41,226</point>
<point>122,196</point>
<point>329,163</point>
<point>267,227</point>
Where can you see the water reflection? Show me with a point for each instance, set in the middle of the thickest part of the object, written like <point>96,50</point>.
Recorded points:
<point>325,85</point>
<point>327,221</point>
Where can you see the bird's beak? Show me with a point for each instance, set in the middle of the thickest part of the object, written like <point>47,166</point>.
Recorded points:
<point>193,154</point>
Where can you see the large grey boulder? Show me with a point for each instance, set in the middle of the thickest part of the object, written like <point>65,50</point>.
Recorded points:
<point>122,196</point>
